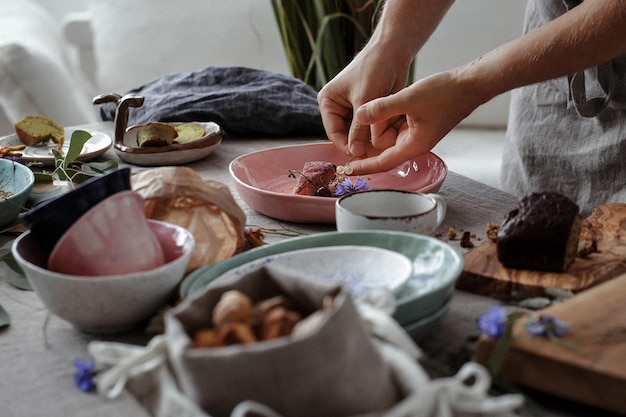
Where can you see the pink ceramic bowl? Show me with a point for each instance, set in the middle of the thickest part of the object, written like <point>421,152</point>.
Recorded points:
<point>263,182</point>
<point>109,304</point>
<point>113,237</point>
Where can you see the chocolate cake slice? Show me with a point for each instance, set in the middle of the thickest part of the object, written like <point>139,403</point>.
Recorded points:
<point>541,233</point>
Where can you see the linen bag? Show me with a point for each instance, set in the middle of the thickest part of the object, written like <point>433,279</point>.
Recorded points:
<point>334,370</point>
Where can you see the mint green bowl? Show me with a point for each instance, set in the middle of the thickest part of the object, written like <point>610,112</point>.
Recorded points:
<point>17,180</point>
<point>436,266</point>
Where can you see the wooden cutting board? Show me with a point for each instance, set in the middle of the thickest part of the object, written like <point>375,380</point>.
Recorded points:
<point>484,274</point>
<point>592,369</point>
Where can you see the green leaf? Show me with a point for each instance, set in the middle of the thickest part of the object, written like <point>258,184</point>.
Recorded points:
<point>5,320</point>
<point>14,275</point>
<point>18,279</point>
<point>39,196</point>
<point>100,167</point>
<point>78,140</point>
<point>43,177</point>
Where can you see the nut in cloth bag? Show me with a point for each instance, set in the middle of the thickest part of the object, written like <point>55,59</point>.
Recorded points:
<point>332,370</point>
<point>358,362</point>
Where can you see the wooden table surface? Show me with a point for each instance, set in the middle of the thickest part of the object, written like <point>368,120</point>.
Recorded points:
<point>37,349</point>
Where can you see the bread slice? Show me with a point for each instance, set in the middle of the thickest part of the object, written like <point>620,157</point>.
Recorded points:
<point>156,134</point>
<point>188,132</point>
<point>39,129</point>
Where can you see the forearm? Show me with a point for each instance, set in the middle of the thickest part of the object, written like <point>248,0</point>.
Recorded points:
<point>405,25</point>
<point>588,35</point>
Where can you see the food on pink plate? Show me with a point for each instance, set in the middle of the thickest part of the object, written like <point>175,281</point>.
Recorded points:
<point>325,179</point>
<point>317,178</point>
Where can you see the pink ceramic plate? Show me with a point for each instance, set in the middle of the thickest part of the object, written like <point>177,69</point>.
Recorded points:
<point>262,180</point>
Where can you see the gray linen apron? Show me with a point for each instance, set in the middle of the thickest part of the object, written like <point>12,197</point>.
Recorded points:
<point>568,134</point>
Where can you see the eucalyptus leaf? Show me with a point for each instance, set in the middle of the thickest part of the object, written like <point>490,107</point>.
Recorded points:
<point>43,177</point>
<point>100,167</point>
<point>40,196</point>
<point>77,142</point>
<point>5,320</point>
<point>14,275</point>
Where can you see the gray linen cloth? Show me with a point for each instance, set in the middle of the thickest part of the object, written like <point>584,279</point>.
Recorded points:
<point>243,101</point>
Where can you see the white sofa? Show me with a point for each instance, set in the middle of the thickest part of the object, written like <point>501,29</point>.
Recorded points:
<point>55,55</point>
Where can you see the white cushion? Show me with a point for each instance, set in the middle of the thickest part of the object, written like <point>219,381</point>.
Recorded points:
<point>139,40</point>
<point>32,83</point>
<point>34,73</point>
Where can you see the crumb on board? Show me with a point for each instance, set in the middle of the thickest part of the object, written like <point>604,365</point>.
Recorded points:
<point>492,231</point>
<point>466,240</point>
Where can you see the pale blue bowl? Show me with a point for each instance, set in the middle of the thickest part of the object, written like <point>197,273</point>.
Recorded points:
<point>18,180</point>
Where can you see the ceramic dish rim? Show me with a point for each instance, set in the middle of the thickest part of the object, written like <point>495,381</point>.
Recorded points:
<point>255,264</point>
<point>276,194</point>
<point>107,143</point>
<point>452,270</point>
<point>213,138</point>
<point>115,277</point>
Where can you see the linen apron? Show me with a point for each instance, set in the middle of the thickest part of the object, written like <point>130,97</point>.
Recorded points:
<point>568,134</point>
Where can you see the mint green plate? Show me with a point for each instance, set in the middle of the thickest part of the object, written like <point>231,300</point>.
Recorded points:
<point>436,266</point>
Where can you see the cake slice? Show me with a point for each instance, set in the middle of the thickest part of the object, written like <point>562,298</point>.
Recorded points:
<point>156,134</point>
<point>542,233</point>
<point>188,132</point>
<point>39,129</point>
<point>316,178</point>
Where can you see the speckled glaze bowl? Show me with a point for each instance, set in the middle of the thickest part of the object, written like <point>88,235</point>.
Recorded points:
<point>359,268</point>
<point>404,211</point>
<point>108,304</point>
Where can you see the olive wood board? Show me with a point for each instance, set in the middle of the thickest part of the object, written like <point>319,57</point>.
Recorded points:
<point>586,365</point>
<point>484,274</point>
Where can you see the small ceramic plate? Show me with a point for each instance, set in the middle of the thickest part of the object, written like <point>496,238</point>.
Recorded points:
<point>95,146</point>
<point>360,268</point>
<point>436,266</point>
<point>262,180</point>
<point>176,154</point>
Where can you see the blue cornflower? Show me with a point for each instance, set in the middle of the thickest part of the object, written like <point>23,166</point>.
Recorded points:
<point>346,186</point>
<point>546,326</point>
<point>494,322</point>
<point>83,377</point>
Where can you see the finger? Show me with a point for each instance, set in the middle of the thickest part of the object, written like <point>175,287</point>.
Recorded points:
<point>385,161</point>
<point>381,109</point>
<point>385,135</point>
<point>359,138</point>
<point>336,125</point>
<point>385,139</point>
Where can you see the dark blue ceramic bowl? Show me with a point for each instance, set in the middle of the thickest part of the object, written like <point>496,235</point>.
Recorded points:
<point>49,220</point>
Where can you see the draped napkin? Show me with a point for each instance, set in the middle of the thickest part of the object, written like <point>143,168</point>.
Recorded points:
<point>243,101</point>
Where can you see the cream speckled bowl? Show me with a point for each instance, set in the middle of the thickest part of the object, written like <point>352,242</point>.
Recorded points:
<point>107,304</point>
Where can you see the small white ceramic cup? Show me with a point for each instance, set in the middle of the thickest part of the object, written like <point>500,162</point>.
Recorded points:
<point>390,210</point>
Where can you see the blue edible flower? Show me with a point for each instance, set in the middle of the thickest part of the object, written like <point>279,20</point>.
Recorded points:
<point>494,322</point>
<point>546,326</point>
<point>346,186</point>
<point>83,377</point>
